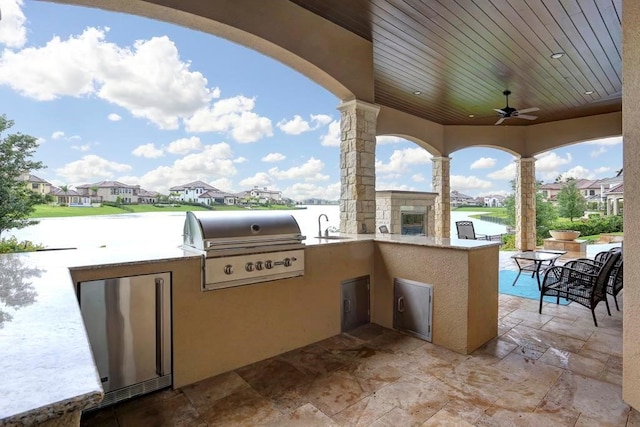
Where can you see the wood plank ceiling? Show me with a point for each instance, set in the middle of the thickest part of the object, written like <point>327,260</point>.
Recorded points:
<point>462,54</point>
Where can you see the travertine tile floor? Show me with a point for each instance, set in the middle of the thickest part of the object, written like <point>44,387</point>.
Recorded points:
<point>554,369</point>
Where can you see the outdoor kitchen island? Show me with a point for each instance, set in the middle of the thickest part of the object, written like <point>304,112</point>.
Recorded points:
<point>224,329</point>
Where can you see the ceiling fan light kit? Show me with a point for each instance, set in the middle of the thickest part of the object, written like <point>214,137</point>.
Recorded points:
<point>510,112</point>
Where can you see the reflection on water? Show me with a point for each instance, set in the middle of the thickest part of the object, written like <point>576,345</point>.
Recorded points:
<point>165,228</point>
<point>16,290</point>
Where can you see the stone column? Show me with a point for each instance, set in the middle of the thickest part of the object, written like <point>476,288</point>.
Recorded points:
<point>357,167</point>
<point>442,207</point>
<point>525,201</point>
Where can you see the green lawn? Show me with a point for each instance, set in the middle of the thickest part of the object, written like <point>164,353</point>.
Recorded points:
<point>494,212</point>
<point>47,211</point>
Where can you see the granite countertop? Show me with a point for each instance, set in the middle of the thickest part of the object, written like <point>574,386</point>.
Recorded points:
<point>46,364</point>
<point>434,242</point>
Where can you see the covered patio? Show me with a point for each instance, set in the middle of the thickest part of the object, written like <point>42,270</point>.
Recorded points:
<point>430,72</point>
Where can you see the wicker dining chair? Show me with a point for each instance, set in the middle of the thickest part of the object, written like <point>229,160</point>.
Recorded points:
<point>582,281</point>
<point>615,278</point>
<point>466,231</point>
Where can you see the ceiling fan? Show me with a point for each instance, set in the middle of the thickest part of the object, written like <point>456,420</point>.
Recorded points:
<point>508,112</point>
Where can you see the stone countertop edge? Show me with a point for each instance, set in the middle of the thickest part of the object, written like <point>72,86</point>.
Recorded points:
<point>434,242</point>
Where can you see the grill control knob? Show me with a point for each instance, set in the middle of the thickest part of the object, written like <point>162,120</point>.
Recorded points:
<point>268,264</point>
<point>228,269</point>
<point>249,266</point>
<point>259,265</point>
<point>287,262</point>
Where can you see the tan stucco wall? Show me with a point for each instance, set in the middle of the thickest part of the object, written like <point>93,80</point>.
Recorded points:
<point>631,154</point>
<point>454,303</point>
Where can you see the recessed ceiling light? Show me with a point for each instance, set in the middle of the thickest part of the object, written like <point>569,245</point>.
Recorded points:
<point>588,92</point>
<point>417,92</point>
<point>557,55</point>
<point>472,115</point>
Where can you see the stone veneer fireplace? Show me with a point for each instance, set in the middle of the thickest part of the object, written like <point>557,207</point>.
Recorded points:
<point>406,212</point>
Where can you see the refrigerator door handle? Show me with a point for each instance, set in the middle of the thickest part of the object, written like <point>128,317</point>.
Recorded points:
<point>159,326</point>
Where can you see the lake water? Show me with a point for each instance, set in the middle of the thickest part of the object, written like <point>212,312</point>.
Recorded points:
<point>165,228</point>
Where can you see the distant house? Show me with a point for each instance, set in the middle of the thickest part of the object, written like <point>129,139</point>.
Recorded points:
<point>148,197</point>
<point>192,191</point>
<point>35,184</point>
<point>550,191</point>
<point>459,199</point>
<point>110,191</point>
<point>493,201</point>
<point>614,198</point>
<point>214,196</point>
<point>264,195</point>
<point>69,198</point>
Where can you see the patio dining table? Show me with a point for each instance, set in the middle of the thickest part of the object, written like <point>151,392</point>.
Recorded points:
<point>540,261</point>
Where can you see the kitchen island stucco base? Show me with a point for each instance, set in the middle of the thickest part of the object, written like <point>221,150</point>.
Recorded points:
<point>465,290</point>
<point>222,330</point>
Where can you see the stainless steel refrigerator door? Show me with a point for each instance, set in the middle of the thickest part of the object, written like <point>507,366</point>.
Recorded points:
<point>128,323</point>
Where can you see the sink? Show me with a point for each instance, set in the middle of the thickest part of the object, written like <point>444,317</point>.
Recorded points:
<point>333,237</point>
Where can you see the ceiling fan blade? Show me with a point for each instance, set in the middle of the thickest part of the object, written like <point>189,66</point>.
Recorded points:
<point>526,117</point>
<point>529,110</point>
<point>500,120</point>
<point>500,111</point>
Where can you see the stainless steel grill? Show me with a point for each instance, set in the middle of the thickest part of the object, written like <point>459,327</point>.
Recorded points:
<point>240,248</point>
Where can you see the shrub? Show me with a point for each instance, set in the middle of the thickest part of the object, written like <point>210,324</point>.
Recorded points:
<point>591,226</point>
<point>12,244</point>
<point>508,242</point>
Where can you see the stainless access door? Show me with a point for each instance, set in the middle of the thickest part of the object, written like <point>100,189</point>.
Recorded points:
<point>128,320</point>
<point>413,307</point>
<point>355,303</point>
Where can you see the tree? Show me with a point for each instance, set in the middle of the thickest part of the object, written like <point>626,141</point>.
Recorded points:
<point>571,204</point>
<point>17,201</point>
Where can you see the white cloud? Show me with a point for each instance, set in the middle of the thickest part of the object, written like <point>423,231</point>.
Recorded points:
<point>13,33</point>
<point>306,190</point>
<point>615,140</point>
<point>185,145</point>
<point>89,169</point>
<point>507,173</point>
<point>214,162</point>
<point>273,157</point>
<point>321,119</point>
<point>483,163</point>
<point>464,183</point>
<point>551,162</point>
<point>233,116</point>
<point>83,147</point>
<point>224,184</point>
<point>309,171</point>
<point>400,159</point>
<point>295,126</point>
<point>148,151</point>
<point>148,79</point>
<point>57,135</point>
<point>240,160</point>
<point>596,153</point>
<point>418,178</point>
<point>114,117</point>
<point>602,170</point>
<point>578,172</point>
<point>40,141</point>
<point>388,139</point>
<point>260,179</point>
<point>332,137</point>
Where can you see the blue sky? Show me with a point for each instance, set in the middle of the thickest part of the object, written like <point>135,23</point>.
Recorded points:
<point>118,97</point>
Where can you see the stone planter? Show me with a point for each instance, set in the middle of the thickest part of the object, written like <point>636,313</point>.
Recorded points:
<point>564,234</point>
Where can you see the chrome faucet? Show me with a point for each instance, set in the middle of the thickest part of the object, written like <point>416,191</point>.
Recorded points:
<point>319,227</point>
